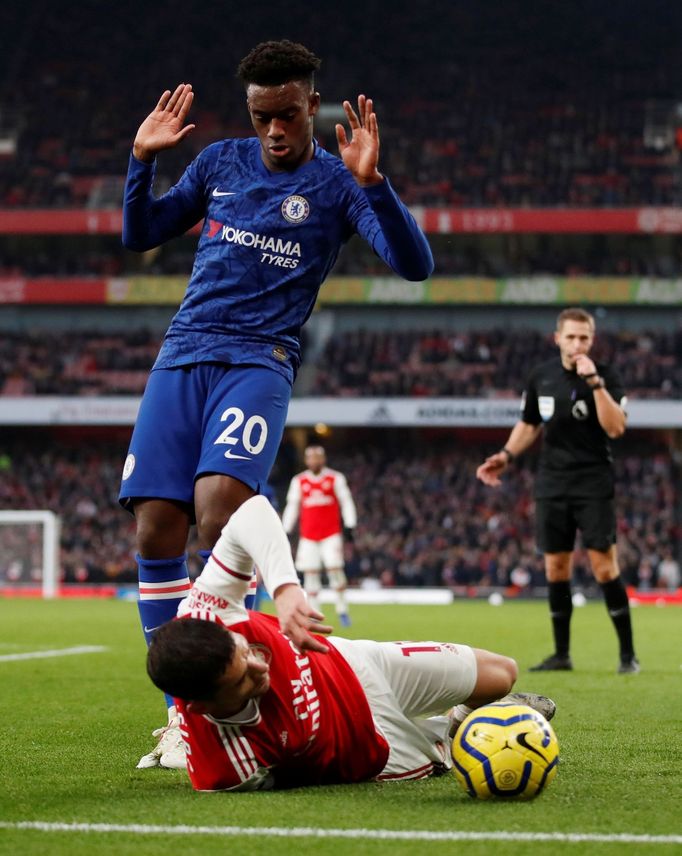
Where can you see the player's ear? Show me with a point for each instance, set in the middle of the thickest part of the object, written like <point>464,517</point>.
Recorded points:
<point>313,103</point>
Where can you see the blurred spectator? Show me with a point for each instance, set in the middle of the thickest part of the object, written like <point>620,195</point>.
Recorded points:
<point>482,363</point>
<point>423,518</point>
<point>540,105</point>
<point>411,363</point>
<point>668,571</point>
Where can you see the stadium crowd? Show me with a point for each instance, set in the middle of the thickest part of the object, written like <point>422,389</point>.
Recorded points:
<point>424,519</point>
<point>479,363</point>
<point>510,117</point>
<point>454,255</point>
<point>483,363</point>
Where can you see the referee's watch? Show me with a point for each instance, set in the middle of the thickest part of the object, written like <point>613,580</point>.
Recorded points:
<point>598,384</point>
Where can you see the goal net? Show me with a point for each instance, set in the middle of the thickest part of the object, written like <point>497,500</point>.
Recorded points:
<point>29,551</point>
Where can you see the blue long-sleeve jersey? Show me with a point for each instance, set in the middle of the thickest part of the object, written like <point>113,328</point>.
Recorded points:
<point>267,243</point>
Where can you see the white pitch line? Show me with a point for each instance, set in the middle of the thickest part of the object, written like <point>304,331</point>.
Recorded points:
<point>376,834</point>
<point>58,652</point>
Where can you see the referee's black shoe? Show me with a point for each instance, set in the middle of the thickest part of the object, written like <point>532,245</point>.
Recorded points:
<point>628,666</point>
<point>554,663</point>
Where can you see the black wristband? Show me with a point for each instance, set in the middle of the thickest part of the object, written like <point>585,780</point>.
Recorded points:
<point>598,385</point>
<point>510,455</point>
<point>586,376</point>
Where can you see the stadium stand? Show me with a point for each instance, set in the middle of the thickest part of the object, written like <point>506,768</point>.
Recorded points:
<point>415,362</point>
<point>484,363</point>
<point>508,116</point>
<point>424,520</point>
<point>482,110</point>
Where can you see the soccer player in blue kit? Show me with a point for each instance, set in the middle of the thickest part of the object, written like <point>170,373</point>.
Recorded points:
<point>276,210</point>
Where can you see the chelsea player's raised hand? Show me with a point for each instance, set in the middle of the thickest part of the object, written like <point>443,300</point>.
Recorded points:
<point>360,154</point>
<point>165,126</point>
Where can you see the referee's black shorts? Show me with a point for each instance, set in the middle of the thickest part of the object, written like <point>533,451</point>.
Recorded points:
<point>557,521</point>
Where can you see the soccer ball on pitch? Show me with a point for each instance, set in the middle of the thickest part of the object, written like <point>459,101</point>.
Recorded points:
<point>505,750</point>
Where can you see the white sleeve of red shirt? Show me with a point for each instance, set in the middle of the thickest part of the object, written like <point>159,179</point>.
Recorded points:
<point>345,498</point>
<point>223,584</point>
<point>293,505</point>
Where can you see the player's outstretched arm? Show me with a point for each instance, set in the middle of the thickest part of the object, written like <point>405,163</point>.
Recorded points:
<point>379,216</point>
<point>522,436</point>
<point>297,618</point>
<point>360,154</point>
<point>165,126</point>
<point>492,468</point>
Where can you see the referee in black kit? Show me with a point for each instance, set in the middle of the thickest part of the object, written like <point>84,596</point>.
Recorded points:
<point>580,406</point>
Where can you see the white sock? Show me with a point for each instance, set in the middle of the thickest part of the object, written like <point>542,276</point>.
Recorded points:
<point>460,712</point>
<point>341,605</point>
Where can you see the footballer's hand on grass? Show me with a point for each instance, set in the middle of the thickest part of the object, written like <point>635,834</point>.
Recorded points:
<point>492,468</point>
<point>298,620</point>
<point>165,126</point>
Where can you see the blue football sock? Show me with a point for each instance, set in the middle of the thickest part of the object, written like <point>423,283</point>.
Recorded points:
<point>162,584</point>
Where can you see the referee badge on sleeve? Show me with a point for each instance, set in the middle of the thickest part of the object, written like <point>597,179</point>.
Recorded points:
<point>546,406</point>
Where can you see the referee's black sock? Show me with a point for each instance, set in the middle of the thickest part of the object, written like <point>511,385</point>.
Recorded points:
<point>619,609</point>
<point>561,609</point>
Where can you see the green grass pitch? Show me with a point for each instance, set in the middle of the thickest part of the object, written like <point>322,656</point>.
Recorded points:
<point>73,728</point>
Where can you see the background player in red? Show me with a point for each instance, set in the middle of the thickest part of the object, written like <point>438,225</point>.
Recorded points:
<point>256,712</point>
<point>322,499</point>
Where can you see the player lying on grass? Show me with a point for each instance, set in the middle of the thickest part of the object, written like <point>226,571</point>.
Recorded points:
<point>257,712</point>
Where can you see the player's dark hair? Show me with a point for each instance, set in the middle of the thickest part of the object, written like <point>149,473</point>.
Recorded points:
<point>575,313</point>
<point>188,656</point>
<point>275,63</point>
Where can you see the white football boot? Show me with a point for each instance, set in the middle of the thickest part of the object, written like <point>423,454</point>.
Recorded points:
<point>169,752</point>
<point>540,703</point>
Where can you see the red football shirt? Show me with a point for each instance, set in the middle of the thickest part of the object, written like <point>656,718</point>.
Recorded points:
<point>322,500</point>
<point>313,726</point>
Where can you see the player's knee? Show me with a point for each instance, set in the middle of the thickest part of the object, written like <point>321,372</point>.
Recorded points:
<point>496,676</point>
<point>506,671</point>
<point>337,580</point>
<point>511,670</point>
<point>156,539</point>
<point>311,582</point>
<point>216,498</point>
<point>209,526</point>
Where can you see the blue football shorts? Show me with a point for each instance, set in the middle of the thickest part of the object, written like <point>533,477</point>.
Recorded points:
<point>204,418</point>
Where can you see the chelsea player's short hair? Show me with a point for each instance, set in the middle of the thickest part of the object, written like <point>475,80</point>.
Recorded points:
<point>274,63</point>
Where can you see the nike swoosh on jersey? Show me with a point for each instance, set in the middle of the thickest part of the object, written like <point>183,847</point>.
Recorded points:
<point>231,454</point>
<point>217,192</point>
<point>150,629</point>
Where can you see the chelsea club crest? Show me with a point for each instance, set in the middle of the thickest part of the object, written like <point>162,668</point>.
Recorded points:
<point>295,209</point>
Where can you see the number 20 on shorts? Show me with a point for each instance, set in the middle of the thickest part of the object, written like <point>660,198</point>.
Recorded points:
<point>252,432</point>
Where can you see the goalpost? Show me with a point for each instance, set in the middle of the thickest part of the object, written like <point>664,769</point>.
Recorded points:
<point>20,551</point>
